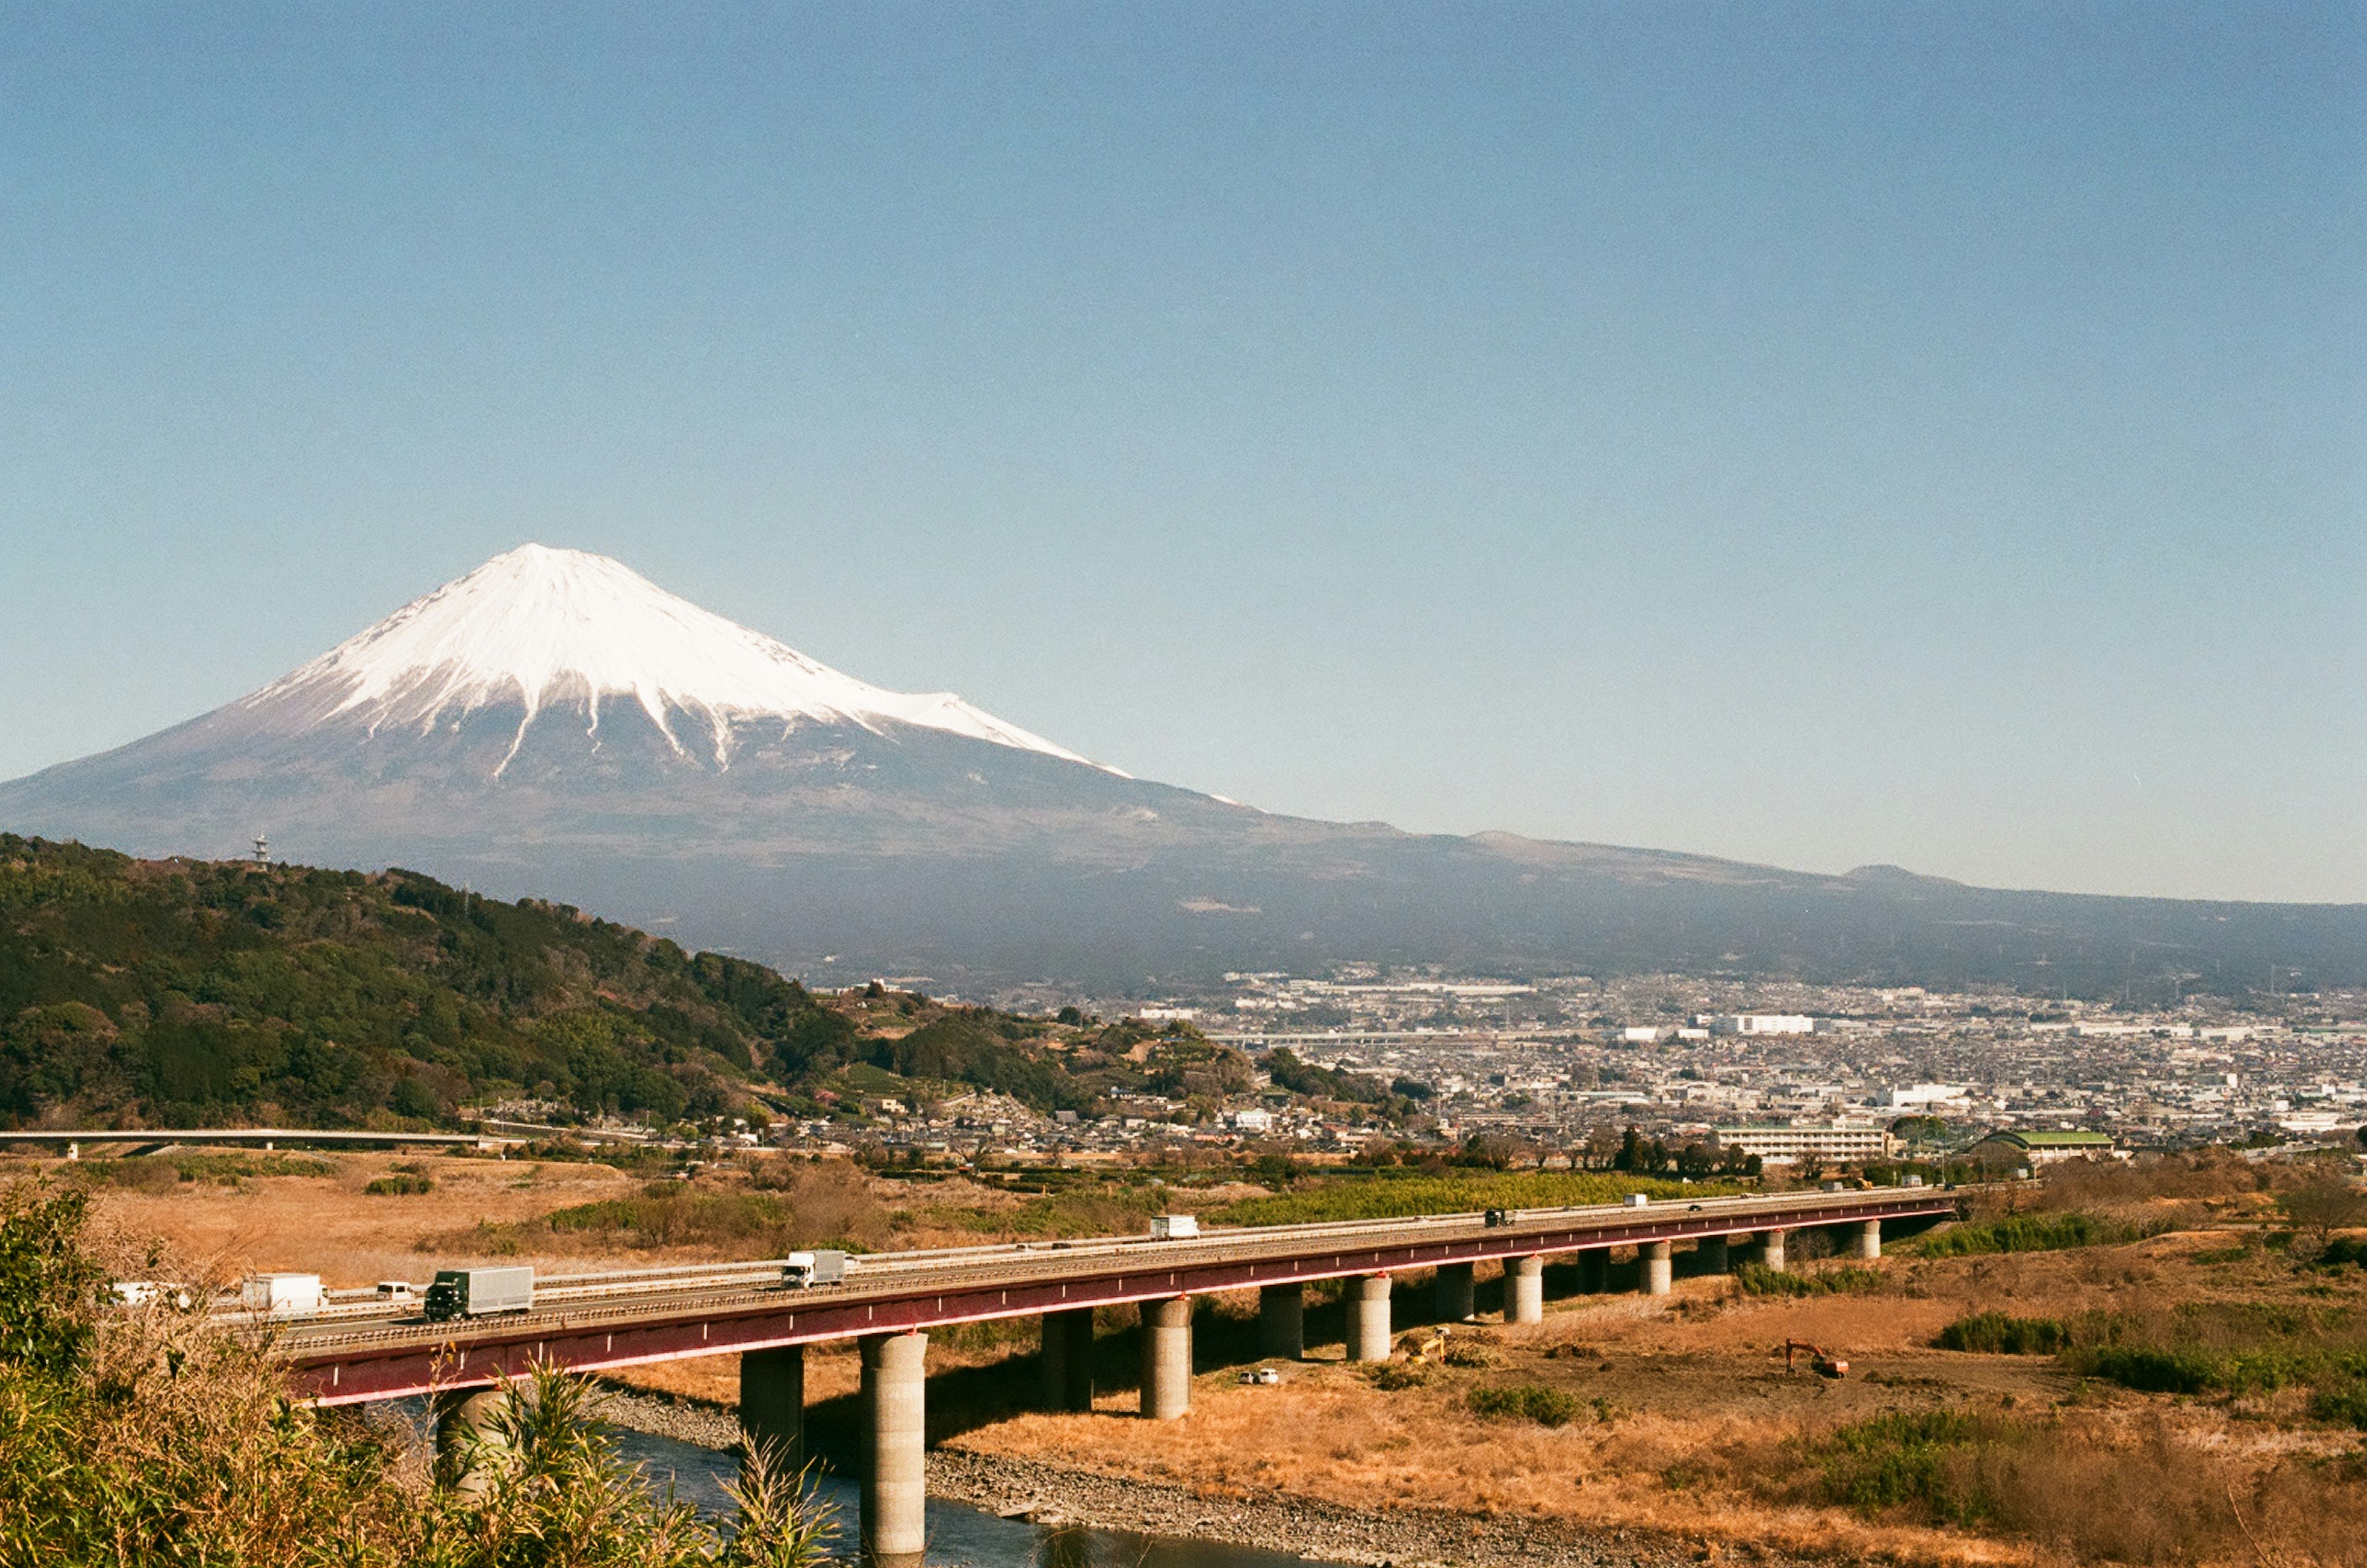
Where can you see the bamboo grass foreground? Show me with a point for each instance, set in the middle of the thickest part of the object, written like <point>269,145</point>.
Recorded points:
<point>149,1437</point>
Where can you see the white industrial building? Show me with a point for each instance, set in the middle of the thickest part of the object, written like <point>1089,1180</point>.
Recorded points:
<point>1789,1146</point>
<point>1763,1023</point>
<point>1931,1097</point>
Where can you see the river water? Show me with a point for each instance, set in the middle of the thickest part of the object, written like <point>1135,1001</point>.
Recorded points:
<point>960,1536</point>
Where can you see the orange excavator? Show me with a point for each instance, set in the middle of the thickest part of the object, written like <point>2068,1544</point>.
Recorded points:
<point>1418,1349</point>
<point>1821,1364</point>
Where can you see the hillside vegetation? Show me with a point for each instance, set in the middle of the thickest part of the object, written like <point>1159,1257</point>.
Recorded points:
<point>153,1437</point>
<point>190,993</point>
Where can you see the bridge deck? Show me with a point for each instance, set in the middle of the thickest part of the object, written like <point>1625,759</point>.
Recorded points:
<point>593,1321</point>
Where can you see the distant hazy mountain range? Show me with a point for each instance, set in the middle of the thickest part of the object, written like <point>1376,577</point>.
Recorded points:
<point>554,724</point>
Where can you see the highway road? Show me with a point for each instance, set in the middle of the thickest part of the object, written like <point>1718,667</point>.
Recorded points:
<point>358,1349</point>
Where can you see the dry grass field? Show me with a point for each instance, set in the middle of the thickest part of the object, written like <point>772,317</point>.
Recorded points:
<point>1682,1419</point>
<point>222,1215</point>
<point>329,1224</point>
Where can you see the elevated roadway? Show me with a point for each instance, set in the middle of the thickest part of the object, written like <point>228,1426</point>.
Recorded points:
<point>361,1349</point>
<point>358,1349</point>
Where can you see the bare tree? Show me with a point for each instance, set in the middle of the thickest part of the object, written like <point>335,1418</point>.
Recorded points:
<point>2324,1202</point>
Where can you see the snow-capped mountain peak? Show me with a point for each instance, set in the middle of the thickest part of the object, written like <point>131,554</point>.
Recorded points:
<point>556,628</point>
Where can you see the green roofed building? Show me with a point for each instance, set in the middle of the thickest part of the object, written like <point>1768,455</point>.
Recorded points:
<point>2046,1149</point>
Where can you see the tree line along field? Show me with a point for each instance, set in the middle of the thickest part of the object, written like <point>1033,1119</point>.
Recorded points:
<point>192,993</point>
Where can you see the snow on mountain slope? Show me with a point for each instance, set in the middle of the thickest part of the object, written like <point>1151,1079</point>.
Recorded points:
<point>555,629</point>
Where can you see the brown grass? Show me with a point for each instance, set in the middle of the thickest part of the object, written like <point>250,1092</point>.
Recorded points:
<point>1691,1426</point>
<point>331,1226</point>
<point>482,1210</point>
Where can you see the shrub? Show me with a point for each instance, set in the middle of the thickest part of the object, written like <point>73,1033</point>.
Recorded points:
<point>2029,1233</point>
<point>168,1439</point>
<point>1525,1401</point>
<point>1392,1376</point>
<point>2345,1403</point>
<point>1902,1458</point>
<point>1995,1334</point>
<point>2342,1252</point>
<point>2150,1369</point>
<point>400,1186</point>
<point>1757,1280</point>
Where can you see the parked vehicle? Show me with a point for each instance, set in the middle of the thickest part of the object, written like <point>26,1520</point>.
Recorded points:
<point>804,1270</point>
<point>281,1295</point>
<point>478,1292</point>
<point>1175,1227</point>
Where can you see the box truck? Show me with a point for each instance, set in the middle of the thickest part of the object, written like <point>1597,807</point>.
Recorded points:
<point>477,1292</point>
<point>1175,1227</point>
<point>803,1270</point>
<point>281,1295</point>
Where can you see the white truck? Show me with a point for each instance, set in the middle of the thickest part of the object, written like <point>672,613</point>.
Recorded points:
<point>804,1270</point>
<point>142,1292</point>
<point>478,1292</point>
<point>1175,1227</point>
<point>281,1295</point>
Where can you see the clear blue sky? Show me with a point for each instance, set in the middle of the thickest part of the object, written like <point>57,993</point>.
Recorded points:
<point>1824,435</point>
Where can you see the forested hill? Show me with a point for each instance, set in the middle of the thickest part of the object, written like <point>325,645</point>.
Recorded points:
<point>193,992</point>
<point>197,993</point>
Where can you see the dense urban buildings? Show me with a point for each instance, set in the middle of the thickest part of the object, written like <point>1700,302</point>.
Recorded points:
<point>1557,1068</point>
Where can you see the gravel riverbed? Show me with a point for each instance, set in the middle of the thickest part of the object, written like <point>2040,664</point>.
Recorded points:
<point>1056,1495</point>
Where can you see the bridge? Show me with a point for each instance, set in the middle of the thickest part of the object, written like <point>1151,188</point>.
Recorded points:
<point>358,1348</point>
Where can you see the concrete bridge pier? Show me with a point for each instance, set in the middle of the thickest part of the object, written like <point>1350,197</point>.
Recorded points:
<point>1166,1359</point>
<point>1712,1256</point>
<point>1595,1270</point>
<point>1656,1269</point>
<point>1281,1321</point>
<point>1458,1298</point>
<point>1770,1249</point>
<point>1069,1360</point>
<point>1867,1239</point>
<point>1368,1318</point>
<point>772,1404</point>
<point>895,1435</point>
<point>1524,1289</point>
<point>464,1431</point>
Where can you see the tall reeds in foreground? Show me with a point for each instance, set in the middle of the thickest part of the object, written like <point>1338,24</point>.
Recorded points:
<point>147,1437</point>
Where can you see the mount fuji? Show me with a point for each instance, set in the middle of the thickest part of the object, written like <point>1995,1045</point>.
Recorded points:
<point>554,724</point>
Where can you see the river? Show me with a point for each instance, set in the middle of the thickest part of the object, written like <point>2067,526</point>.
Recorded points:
<point>959,1537</point>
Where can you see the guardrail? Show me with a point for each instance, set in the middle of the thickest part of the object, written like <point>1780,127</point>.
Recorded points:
<point>961,1263</point>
